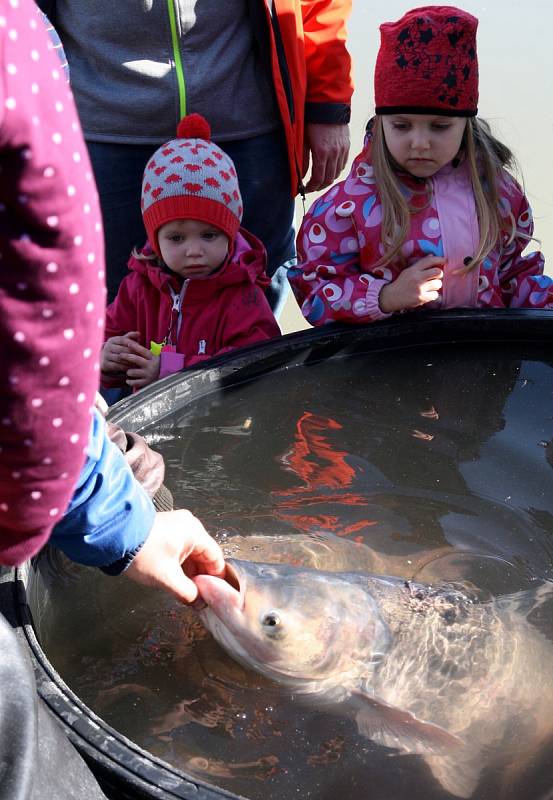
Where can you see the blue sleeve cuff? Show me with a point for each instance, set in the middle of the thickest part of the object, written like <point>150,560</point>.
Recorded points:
<point>110,515</point>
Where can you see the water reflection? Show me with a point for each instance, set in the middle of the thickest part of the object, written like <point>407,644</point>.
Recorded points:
<point>419,464</point>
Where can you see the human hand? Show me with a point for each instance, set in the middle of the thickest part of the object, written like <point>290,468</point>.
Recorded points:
<point>177,548</point>
<point>114,349</point>
<point>141,364</point>
<point>328,146</point>
<point>414,286</point>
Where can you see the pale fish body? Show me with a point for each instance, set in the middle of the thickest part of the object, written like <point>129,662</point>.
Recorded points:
<point>422,669</point>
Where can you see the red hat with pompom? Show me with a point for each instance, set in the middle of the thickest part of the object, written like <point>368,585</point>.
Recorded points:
<point>190,177</point>
<point>427,64</point>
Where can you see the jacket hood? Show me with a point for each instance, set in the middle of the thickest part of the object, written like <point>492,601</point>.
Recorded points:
<point>245,263</point>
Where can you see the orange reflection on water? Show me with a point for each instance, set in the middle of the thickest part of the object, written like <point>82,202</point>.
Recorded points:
<point>320,465</point>
<point>313,457</point>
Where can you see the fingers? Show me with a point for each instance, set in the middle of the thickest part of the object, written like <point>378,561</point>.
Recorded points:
<point>428,262</point>
<point>138,349</point>
<point>137,383</point>
<point>178,546</point>
<point>432,286</point>
<point>206,555</point>
<point>343,159</point>
<point>131,359</point>
<point>318,171</point>
<point>329,146</point>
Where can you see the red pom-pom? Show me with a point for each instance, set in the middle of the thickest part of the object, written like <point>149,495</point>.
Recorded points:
<point>194,126</point>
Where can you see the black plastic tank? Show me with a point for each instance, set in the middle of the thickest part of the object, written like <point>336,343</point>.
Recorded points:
<point>461,388</point>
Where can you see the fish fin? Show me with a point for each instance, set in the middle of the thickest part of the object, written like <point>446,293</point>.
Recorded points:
<point>397,728</point>
<point>459,776</point>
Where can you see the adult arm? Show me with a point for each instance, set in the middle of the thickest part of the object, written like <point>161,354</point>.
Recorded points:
<point>328,63</point>
<point>111,523</point>
<point>52,291</point>
<point>110,514</point>
<point>329,90</point>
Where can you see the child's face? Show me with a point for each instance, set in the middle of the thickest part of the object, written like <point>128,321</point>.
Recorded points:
<point>423,143</point>
<point>192,249</point>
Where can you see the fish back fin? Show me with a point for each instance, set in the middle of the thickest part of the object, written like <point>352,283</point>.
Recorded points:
<point>397,728</point>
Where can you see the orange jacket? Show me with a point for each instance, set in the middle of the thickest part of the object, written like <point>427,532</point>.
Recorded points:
<point>310,65</point>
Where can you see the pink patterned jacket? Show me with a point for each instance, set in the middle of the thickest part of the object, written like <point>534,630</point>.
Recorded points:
<point>340,240</point>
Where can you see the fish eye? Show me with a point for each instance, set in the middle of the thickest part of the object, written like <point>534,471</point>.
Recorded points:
<point>272,623</point>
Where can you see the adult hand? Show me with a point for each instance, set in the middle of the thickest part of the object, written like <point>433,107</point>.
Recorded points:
<point>142,365</point>
<point>114,349</point>
<point>328,146</point>
<point>414,286</point>
<point>177,548</point>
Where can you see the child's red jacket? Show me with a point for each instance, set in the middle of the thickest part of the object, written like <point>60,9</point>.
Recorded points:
<point>202,317</point>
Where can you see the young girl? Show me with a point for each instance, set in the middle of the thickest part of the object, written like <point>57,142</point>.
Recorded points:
<point>196,289</point>
<point>428,215</point>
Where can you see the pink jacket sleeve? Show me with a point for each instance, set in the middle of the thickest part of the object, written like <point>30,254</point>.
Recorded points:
<point>52,291</point>
<point>328,281</point>
<point>523,284</point>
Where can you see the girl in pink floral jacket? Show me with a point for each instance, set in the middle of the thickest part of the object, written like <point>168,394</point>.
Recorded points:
<point>428,215</point>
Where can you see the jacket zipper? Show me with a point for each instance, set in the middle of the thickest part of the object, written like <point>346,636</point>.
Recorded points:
<point>176,313</point>
<point>288,91</point>
<point>177,59</point>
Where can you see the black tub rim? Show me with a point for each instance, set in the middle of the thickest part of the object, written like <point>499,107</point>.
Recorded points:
<point>148,776</point>
<point>149,405</point>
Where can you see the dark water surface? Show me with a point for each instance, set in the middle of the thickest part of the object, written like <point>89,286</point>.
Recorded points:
<point>427,464</point>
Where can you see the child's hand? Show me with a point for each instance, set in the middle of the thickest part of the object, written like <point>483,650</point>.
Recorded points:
<point>141,364</point>
<point>414,286</point>
<point>177,548</point>
<point>113,351</point>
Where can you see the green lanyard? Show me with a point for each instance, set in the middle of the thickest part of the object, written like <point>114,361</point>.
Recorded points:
<point>176,55</point>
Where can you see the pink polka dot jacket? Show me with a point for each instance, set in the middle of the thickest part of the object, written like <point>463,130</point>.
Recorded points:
<point>52,306</point>
<point>339,241</point>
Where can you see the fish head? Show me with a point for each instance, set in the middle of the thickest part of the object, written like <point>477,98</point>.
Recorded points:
<point>298,626</point>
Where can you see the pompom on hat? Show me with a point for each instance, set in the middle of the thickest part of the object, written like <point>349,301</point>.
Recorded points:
<point>427,64</point>
<point>190,177</point>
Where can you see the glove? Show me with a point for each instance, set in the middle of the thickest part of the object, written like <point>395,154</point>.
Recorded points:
<point>147,466</point>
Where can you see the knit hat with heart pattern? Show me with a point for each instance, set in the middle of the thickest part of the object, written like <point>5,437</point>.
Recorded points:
<point>190,177</point>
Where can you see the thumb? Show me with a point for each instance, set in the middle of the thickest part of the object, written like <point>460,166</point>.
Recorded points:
<point>178,584</point>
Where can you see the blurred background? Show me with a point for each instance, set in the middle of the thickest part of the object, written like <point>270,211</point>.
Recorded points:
<point>515,55</point>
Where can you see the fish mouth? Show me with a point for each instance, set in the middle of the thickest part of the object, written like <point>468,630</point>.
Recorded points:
<point>231,576</point>
<point>222,593</point>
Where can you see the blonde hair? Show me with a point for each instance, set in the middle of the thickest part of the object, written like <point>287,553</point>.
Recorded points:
<point>487,158</point>
<point>140,256</point>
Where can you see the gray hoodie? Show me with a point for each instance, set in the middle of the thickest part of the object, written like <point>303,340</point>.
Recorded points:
<point>137,66</point>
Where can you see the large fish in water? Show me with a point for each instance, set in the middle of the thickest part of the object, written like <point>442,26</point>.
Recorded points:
<point>431,670</point>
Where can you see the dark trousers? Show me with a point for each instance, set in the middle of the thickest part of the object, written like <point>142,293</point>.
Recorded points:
<point>263,173</point>
<point>37,759</point>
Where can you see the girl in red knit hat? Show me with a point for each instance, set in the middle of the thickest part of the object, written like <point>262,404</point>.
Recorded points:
<point>429,215</point>
<point>197,288</point>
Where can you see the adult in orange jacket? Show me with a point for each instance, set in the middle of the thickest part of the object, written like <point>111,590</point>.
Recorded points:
<point>272,77</point>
